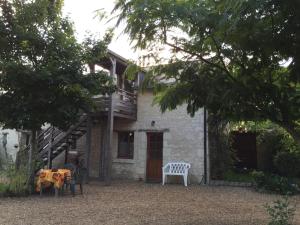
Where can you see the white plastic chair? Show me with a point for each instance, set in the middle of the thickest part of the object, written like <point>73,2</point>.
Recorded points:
<point>176,169</point>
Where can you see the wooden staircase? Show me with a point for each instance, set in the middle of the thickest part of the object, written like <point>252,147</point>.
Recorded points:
<point>54,141</point>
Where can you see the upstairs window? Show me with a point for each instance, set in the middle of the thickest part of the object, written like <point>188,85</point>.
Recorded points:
<point>125,145</point>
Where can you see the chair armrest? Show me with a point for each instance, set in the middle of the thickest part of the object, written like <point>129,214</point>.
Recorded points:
<point>165,167</point>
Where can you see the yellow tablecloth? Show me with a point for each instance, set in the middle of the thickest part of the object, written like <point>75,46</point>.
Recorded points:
<point>48,177</point>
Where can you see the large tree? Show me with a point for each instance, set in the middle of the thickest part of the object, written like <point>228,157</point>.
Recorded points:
<point>240,59</point>
<point>42,75</point>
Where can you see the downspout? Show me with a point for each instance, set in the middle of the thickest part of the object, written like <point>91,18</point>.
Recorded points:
<point>205,144</point>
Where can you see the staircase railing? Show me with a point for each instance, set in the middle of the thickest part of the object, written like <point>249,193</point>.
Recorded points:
<point>125,104</point>
<point>60,140</point>
<point>61,137</point>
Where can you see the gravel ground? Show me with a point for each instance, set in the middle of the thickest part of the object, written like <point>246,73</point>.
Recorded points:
<point>137,203</point>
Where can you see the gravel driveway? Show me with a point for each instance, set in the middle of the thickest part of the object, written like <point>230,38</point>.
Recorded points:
<point>137,203</point>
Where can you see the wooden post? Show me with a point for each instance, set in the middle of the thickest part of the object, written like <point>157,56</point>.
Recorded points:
<point>110,125</point>
<point>102,151</point>
<point>108,157</point>
<point>31,160</point>
<point>49,164</point>
<point>88,145</point>
<point>67,154</point>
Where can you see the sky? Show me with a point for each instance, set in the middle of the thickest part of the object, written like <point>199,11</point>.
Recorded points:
<point>82,13</point>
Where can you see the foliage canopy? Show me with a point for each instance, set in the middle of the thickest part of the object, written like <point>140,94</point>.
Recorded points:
<point>42,76</point>
<point>240,59</point>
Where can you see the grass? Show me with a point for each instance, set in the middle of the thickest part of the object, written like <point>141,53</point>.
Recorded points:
<point>3,189</point>
<point>13,183</point>
<point>238,177</point>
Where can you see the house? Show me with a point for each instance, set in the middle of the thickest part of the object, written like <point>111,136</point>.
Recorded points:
<point>128,137</point>
<point>9,144</point>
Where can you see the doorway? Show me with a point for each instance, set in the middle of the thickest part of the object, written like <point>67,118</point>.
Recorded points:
<point>154,156</point>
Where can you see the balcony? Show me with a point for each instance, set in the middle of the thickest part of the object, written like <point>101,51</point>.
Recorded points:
<point>124,104</point>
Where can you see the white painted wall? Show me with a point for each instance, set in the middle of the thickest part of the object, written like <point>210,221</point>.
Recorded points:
<point>183,139</point>
<point>12,141</point>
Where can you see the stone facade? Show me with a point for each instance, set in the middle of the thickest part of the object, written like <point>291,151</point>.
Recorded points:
<point>183,140</point>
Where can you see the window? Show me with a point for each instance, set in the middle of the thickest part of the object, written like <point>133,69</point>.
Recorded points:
<point>125,145</point>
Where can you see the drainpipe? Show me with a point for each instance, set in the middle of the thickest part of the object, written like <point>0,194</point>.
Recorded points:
<point>205,144</point>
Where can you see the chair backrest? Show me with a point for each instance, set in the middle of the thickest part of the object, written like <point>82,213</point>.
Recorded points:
<point>80,175</point>
<point>70,166</point>
<point>178,167</point>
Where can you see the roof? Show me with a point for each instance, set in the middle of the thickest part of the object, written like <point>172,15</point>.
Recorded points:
<point>121,66</point>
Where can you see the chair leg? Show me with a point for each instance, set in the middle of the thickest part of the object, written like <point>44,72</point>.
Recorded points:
<point>56,192</point>
<point>72,187</point>
<point>185,180</point>
<point>163,179</point>
<point>81,189</point>
<point>63,189</point>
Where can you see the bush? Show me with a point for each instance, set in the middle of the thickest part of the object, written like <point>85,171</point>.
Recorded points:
<point>3,189</point>
<point>287,163</point>
<point>280,212</point>
<point>239,176</point>
<point>16,184</point>
<point>269,143</point>
<point>274,183</point>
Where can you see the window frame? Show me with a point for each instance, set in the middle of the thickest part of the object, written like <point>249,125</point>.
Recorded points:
<point>130,153</point>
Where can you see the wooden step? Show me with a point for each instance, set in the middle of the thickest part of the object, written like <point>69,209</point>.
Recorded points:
<point>62,139</point>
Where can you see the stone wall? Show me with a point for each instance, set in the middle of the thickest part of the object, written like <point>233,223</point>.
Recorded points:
<point>183,139</point>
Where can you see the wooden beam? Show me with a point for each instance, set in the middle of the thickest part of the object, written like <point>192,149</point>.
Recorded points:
<point>110,126</point>
<point>67,154</point>
<point>108,155</point>
<point>88,145</point>
<point>49,165</point>
<point>102,150</point>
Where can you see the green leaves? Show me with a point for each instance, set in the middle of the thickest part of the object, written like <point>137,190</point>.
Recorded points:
<point>42,65</point>
<point>95,49</point>
<point>224,55</point>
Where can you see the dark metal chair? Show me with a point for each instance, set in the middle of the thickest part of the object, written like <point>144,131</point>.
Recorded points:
<point>77,177</point>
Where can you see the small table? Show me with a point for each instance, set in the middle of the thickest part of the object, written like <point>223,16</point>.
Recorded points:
<point>56,177</point>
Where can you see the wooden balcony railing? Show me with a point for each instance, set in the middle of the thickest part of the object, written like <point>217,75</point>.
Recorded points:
<point>124,104</point>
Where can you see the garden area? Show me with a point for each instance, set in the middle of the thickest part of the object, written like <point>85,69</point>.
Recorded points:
<point>235,61</point>
<point>272,166</point>
<point>13,183</point>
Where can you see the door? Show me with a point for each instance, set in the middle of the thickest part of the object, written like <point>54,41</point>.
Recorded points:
<point>154,156</point>
<point>244,145</point>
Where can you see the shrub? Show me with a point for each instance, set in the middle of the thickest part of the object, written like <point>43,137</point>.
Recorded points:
<point>16,184</point>
<point>3,189</point>
<point>269,143</point>
<point>234,176</point>
<point>274,183</point>
<point>281,213</point>
<point>287,163</point>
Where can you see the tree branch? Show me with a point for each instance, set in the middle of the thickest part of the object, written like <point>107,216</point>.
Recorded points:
<point>218,48</point>
<point>199,56</point>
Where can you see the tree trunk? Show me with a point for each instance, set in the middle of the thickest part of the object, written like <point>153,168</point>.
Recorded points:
<point>31,161</point>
